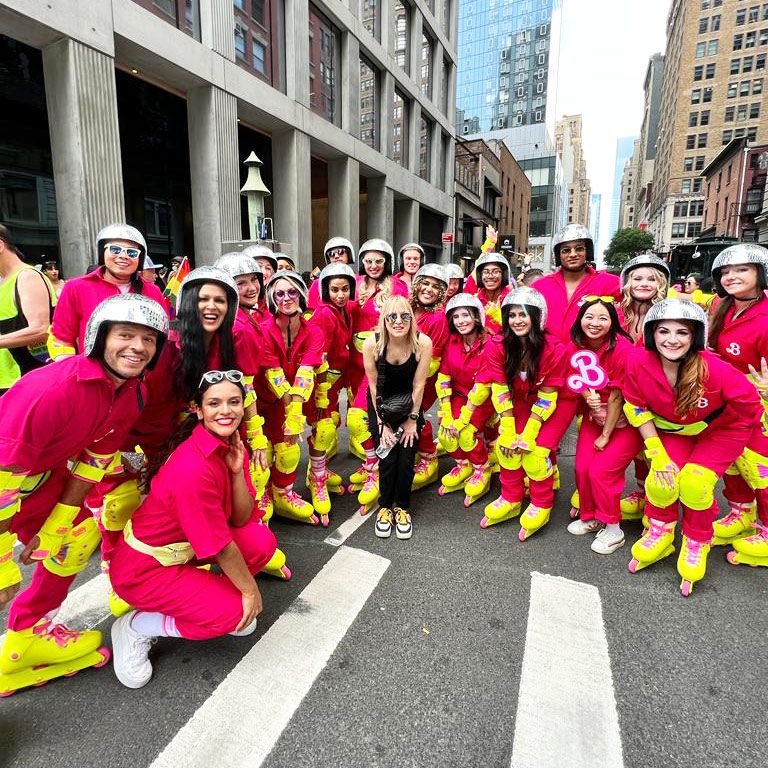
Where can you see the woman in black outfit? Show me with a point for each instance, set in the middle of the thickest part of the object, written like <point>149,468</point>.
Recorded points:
<point>396,362</point>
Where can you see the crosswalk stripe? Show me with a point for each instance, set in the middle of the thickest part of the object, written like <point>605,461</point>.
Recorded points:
<point>566,708</point>
<point>347,528</point>
<point>242,720</point>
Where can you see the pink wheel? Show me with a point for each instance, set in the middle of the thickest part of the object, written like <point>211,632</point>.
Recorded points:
<point>632,567</point>
<point>363,510</point>
<point>686,587</point>
<point>6,694</point>
<point>72,674</point>
<point>45,682</point>
<point>350,488</point>
<point>522,535</point>
<point>441,491</point>
<point>468,500</point>
<point>484,522</point>
<point>314,519</point>
<point>106,654</point>
<point>339,490</point>
<point>286,571</point>
<point>732,557</point>
<point>324,521</point>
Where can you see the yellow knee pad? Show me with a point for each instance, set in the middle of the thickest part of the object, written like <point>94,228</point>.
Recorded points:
<point>357,421</point>
<point>78,546</point>
<point>661,495</point>
<point>468,438</point>
<point>537,463</point>
<point>515,461</point>
<point>697,486</point>
<point>753,467</point>
<point>325,432</point>
<point>287,457</point>
<point>10,492</point>
<point>119,505</point>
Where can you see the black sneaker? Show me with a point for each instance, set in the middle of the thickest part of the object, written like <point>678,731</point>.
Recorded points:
<point>384,523</point>
<point>403,525</point>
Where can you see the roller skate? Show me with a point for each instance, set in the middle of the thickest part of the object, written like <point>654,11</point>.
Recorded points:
<point>333,482</point>
<point>632,505</point>
<point>456,478</point>
<point>117,606</point>
<point>478,484</point>
<point>737,524</point>
<point>655,544</point>
<point>369,493</point>
<point>692,563</point>
<point>360,475</point>
<point>532,519</point>
<point>276,566</point>
<point>290,505</point>
<point>424,471</point>
<point>500,510</point>
<point>356,448</point>
<point>493,458</point>
<point>752,550</point>
<point>575,508</point>
<point>318,489</point>
<point>33,656</point>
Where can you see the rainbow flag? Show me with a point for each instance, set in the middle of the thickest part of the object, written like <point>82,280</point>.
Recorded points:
<point>171,292</point>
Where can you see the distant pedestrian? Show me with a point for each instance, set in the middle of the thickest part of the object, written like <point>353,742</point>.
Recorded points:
<point>51,270</point>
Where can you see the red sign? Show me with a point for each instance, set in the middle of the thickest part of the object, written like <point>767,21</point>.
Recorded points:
<point>447,237</point>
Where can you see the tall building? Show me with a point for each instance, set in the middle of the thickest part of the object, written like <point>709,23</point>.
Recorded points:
<point>624,148</point>
<point>144,111</point>
<point>568,131</point>
<point>713,92</point>
<point>508,58</point>
<point>649,135</point>
<point>629,180</point>
<point>595,204</point>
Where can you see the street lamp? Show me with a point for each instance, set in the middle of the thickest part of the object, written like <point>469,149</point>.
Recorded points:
<point>255,191</point>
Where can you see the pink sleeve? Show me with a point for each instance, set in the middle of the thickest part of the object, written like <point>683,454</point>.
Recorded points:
<point>554,363</point>
<point>65,320</point>
<point>314,353</point>
<point>632,389</point>
<point>201,514</point>
<point>399,288</point>
<point>492,368</point>
<point>313,301</point>
<point>440,337</point>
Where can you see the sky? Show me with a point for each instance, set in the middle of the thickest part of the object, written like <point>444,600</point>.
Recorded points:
<point>605,47</point>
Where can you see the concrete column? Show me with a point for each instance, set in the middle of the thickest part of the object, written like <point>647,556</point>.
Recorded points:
<point>85,147</point>
<point>412,136</point>
<point>406,223</point>
<point>214,167</point>
<point>387,26</point>
<point>415,45</point>
<point>292,194</point>
<point>350,84</point>
<point>380,209</point>
<point>297,48</point>
<point>344,198</point>
<point>217,23</point>
<point>436,154</point>
<point>385,118</point>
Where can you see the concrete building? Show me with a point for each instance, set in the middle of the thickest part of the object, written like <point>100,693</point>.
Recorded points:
<point>629,181</point>
<point>625,146</point>
<point>145,109</point>
<point>713,92</point>
<point>568,130</point>
<point>595,206</point>
<point>735,183</point>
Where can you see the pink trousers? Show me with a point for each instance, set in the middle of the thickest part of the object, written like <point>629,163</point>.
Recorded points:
<point>736,488</point>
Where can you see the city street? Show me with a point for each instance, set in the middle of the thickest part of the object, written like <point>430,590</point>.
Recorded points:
<point>456,648</point>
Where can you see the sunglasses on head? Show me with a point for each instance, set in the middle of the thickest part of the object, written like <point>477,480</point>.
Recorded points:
<point>404,316</point>
<point>214,377</point>
<point>131,253</point>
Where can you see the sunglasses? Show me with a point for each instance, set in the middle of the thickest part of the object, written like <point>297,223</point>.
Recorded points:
<point>336,252</point>
<point>290,295</point>
<point>131,253</point>
<point>214,377</point>
<point>576,249</point>
<point>404,316</point>
<point>374,262</point>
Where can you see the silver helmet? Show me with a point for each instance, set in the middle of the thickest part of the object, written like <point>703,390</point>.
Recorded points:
<point>329,272</point>
<point>290,259</point>
<point>125,308</point>
<point>644,260</point>
<point>209,275</point>
<point>741,253</point>
<point>376,244</point>
<point>408,247</point>
<point>339,242</point>
<point>467,300</point>
<point>453,272</point>
<point>122,232</point>
<point>526,297</point>
<point>293,277</point>
<point>435,271</point>
<point>492,258</point>
<point>573,232</point>
<point>676,309</point>
<point>261,252</point>
<point>236,264</point>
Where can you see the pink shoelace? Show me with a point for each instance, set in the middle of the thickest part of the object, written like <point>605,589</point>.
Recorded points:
<point>61,634</point>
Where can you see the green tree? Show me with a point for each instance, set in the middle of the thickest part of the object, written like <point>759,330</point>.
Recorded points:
<point>625,244</point>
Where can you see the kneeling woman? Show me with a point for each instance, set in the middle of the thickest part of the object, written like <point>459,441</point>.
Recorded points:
<point>695,414</point>
<point>199,511</point>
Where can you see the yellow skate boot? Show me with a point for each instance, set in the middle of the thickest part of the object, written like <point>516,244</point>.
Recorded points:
<point>737,524</point>
<point>290,505</point>
<point>532,519</point>
<point>575,506</point>
<point>369,493</point>
<point>276,566</point>
<point>425,471</point>
<point>500,510</point>
<point>478,484</point>
<point>32,657</point>
<point>656,543</point>
<point>752,550</point>
<point>692,563</point>
<point>321,501</point>
<point>456,478</point>
<point>633,505</point>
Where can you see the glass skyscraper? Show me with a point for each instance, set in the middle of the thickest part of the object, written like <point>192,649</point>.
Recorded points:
<point>507,69</point>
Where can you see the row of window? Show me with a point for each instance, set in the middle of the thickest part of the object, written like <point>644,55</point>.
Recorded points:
<point>706,4</point>
<point>683,208</point>
<point>710,24</point>
<point>752,14</point>
<point>691,229</point>
<point>746,64</point>
<point>744,88</point>
<point>750,39</point>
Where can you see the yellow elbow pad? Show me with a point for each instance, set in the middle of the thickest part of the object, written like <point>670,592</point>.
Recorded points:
<point>10,490</point>
<point>303,383</point>
<point>501,398</point>
<point>321,395</point>
<point>478,394</point>
<point>443,386</point>
<point>92,466</point>
<point>545,404</point>
<point>637,416</point>
<point>58,348</point>
<point>277,381</point>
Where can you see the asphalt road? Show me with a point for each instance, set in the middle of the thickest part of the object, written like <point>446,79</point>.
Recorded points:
<point>428,674</point>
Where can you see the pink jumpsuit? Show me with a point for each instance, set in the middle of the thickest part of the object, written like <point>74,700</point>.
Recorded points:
<point>81,295</point>
<point>491,325</point>
<point>50,416</point>
<point>434,325</point>
<point>462,367</point>
<point>190,500</point>
<point>313,299</point>
<point>335,327</point>
<point>600,474</point>
<point>729,406</point>
<point>743,342</point>
<point>524,395</point>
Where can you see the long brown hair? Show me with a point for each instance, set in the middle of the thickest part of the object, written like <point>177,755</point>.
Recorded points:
<point>718,320</point>
<point>690,383</point>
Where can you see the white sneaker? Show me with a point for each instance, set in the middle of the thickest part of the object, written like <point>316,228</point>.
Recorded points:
<point>583,527</point>
<point>130,653</point>
<point>606,542</point>
<point>248,629</point>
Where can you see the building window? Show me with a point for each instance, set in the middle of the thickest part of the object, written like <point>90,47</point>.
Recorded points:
<point>750,39</point>
<point>714,25</point>
<point>752,134</point>
<point>754,111</point>
<point>704,118</point>
<point>703,26</point>
<point>401,13</point>
<point>693,119</point>
<point>727,136</point>
<point>259,57</point>
<point>699,164</point>
<point>746,64</point>
<point>701,49</point>
<point>760,62</point>
<point>681,209</point>
<point>757,87</point>
<point>694,229</point>
<point>732,90</point>
<point>729,113</point>
<point>259,39</point>
<point>687,164</point>
<point>738,42</point>
<point>701,142</point>
<point>686,186</point>
<point>744,88</point>
<point>741,113</point>
<point>425,148</point>
<point>399,149</point>
<point>697,208</point>
<point>698,73</point>
<point>324,48</point>
<point>678,229</point>
<point>427,47</point>
<point>709,73</point>
<point>741,16</point>
<point>690,142</point>
<point>706,94</point>
<point>240,51</point>
<point>369,105</point>
<point>369,16</point>
<point>735,66</point>
<point>712,47</point>
<point>696,95</point>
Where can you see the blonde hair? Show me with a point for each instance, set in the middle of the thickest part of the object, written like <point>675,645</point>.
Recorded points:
<point>396,304</point>
<point>364,291</point>
<point>628,303</point>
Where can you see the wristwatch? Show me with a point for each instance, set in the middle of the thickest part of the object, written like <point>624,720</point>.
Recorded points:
<point>413,416</point>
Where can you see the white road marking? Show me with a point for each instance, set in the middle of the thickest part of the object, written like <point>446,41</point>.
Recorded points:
<point>278,672</point>
<point>348,527</point>
<point>566,708</point>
